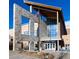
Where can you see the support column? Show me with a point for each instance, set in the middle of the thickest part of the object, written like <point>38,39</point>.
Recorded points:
<point>39,42</point>
<point>31,24</point>
<point>40,47</point>
<point>57,31</point>
<point>30,20</point>
<point>29,45</point>
<point>31,8</point>
<point>34,45</point>
<point>31,28</point>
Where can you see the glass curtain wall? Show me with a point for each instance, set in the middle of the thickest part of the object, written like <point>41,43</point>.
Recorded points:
<point>52,29</point>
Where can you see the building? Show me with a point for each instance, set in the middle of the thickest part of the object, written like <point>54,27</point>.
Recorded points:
<point>67,38</point>
<point>45,27</point>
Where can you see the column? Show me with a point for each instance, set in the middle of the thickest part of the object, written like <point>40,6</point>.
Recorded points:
<point>29,45</point>
<point>31,31</point>
<point>31,8</point>
<point>31,28</point>
<point>34,45</point>
<point>40,47</point>
<point>57,31</point>
<point>30,20</point>
<point>31,24</point>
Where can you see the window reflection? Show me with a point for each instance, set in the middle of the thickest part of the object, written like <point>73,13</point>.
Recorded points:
<point>52,31</point>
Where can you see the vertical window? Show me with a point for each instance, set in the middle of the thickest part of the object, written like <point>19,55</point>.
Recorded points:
<point>48,46</point>
<point>45,46</point>
<point>51,45</point>
<point>52,29</point>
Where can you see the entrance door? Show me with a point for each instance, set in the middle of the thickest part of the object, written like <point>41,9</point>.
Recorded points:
<point>50,46</point>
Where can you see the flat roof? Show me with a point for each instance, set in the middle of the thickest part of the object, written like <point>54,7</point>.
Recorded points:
<point>45,10</point>
<point>35,4</point>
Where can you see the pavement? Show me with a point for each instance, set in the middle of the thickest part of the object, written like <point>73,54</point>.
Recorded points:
<point>16,55</point>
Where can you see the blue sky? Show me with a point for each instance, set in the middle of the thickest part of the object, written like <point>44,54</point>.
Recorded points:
<point>64,4</point>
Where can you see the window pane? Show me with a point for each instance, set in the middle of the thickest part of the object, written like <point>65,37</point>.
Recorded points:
<point>50,45</point>
<point>52,31</point>
<point>26,32</point>
<point>45,46</point>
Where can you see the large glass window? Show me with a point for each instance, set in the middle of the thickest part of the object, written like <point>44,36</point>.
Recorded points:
<point>52,31</point>
<point>52,28</point>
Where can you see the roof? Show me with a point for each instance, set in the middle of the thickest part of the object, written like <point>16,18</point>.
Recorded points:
<point>35,4</point>
<point>45,10</point>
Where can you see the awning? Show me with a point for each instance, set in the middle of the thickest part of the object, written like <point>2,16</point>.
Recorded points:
<point>45,10</point>
<point>35,4</point>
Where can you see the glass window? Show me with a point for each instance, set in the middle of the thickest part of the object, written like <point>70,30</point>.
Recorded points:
<point>50,45</point>
<point>53,45</point>
<point>35,29</point>
<point>43,18</point>
<point>52,31</point>
<point>45,46</point>
<point>52,27</point>
<point>26,32</point>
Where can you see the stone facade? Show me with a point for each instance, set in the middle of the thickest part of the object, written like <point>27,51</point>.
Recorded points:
<point>18,12</point>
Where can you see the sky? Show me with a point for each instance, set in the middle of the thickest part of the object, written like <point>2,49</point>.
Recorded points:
<point>64,4</point>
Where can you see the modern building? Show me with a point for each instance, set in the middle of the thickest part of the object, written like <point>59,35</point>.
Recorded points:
<point>44,31</point>
<point>67,38</point>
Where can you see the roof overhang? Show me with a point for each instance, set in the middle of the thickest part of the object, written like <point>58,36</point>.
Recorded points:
<point>35,4</point>
<point>45,10</point>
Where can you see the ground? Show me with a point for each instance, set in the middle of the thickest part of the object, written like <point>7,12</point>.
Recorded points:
<point>38,55</point>
<point>16,55</point>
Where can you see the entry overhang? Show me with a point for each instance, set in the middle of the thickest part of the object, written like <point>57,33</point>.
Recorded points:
<point>34,4</point>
